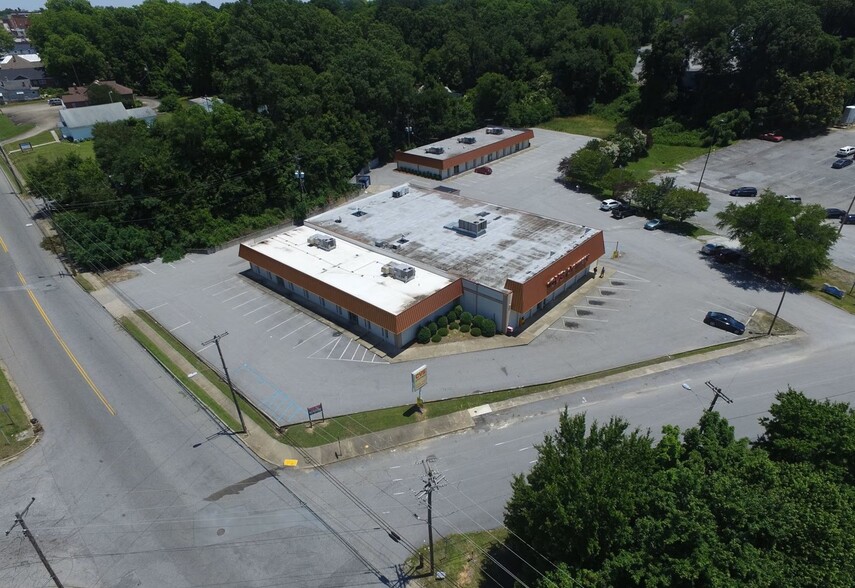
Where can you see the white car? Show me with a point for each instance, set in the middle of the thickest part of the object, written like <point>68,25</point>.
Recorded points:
<point>609,204</point>
<point>845,151</point>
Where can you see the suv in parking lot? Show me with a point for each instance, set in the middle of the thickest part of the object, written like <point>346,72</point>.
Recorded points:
<point>609,204</point>
<point>748,191</point>
<point>623,211</point>
<point>845,151</point>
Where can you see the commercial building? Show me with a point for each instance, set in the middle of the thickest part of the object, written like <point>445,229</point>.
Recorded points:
<point>392,261</point>
<point>76,124</point>
<point>456,155</point>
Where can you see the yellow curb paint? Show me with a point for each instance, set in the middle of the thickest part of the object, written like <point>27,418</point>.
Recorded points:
<point>3,246</point>
<point>65,347</point>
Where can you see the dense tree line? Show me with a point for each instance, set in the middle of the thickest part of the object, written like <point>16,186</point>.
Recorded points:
<point>341,82</point>
<point>610,506</point>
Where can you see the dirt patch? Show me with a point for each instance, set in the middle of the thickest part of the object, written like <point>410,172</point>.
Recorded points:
<point>119,275</point>
<point>760,321</point>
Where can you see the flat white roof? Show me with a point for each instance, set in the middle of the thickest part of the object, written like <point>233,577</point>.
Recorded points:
<point>351,269</point>
<point>452,147</point>
<point>422,225</point>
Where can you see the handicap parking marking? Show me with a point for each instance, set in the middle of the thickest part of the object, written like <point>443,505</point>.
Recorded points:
<point>349,341</point>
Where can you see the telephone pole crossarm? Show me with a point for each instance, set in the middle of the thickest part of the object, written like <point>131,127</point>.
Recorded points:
<point>433,481</point>
<point>718,394</point>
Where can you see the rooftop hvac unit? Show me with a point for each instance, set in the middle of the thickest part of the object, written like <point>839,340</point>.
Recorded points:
<point>472,226</point>
<point>467,140</point>
<point>400,192</point>
<point>322,242</point>
<point>495,130</point>
<point>380,244</point>
<point>399,271</point>
<point>435,150</point>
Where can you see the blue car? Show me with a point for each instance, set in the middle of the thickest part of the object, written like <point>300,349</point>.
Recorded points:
<point>653,224</point>
<point>723,321</point>
<point>841,163</point>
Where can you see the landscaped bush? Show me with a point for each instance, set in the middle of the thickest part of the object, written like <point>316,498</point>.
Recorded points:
<point>464,328</point>
<point>453,326</point>
<point>458,310</point>
<point>442,322</point>
<point>436,338</point>
<point>433,328</point>
<point>475,332</point>
<point>423,336</point>
<point>488,328</point>
<point>442,332</point>
<point>477,320</point>
<point>466,318</point>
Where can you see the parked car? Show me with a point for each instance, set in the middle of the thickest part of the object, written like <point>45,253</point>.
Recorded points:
<point>711,249</point>
<point>653,224</point>
<point>726,255</point>
<point>846,151</point>
<point>833,291</point>
<point>849,219</point>
<point>841,163</point>
<point>834,213</point>
<point>793,198</point>
<point>609,204</point>
<point>54,101</point>
<point>773,137</point>
<point>723,321</point>
<point>623,211</point>
<point>485,170</point>
<point>747,191</point>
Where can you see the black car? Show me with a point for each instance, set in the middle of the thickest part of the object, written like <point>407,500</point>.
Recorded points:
<point>849,220</point>
<point>841,163</point>
<point>723,321</point>
<point>725,255</point>
<point>744,191</point>
<point>711,249</point>
<point>623,211</point>
<point>834,213</point>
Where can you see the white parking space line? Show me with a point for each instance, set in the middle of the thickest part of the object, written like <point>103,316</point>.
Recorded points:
<point>696,320</point>
<point>226,290</point>
<point>156,307</point>
<point>582,318</point>
<point>355,351</point>
<point>334,342</point>
<point>607,298</point>
<point>245,303</point>
<point>269,315</point>
<point>725,307</point>
<point>218,283</point>
<point>179,326</point>
<point>570,330</point>
<point>637,278</point>
<point>597,308</point>
<point>310,338</point>
<point>244,293</point>
<point>364,353</point>
<point>349,341</point>
<point>257,309</point>
<point>282,323</point>
<point>618,288</point>
<point>295,330</point>
<point>145,267</point>
<point>172,265</point>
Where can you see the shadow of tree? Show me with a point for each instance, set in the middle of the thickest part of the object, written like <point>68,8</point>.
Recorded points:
<point>747,277</point>
<point>498,566</point>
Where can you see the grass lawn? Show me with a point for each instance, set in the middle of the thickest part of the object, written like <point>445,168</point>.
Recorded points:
<point>462,558</point>
<point>13,423</point>
<point>836,277</point>
<point>23,161</point>
<point>589,125</point>
<point>10,129</point>
<point>663,158</point>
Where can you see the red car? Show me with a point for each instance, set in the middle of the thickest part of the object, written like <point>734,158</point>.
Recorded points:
<point>773,137</point>
<point>483,170</point>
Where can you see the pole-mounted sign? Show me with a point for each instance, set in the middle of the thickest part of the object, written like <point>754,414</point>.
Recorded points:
<point>419,378</point>
<point>318,408</point>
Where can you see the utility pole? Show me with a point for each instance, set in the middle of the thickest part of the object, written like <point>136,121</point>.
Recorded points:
<point>718,394</point>
<point>780,302</point>
<point>216,340</point>
<point>845,216</point>
<point>709,152</point>
<point>19,520</point>
<point>433,481</point>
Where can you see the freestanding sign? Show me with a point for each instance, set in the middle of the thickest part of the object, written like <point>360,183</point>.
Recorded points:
<point>318,408</point>
<point>419,378</point>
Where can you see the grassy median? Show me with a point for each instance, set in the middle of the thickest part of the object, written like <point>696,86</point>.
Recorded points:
<point>13,420</point>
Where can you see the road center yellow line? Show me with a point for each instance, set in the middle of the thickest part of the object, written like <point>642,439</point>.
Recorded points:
<point>65,347</point>
<point>3,246</point>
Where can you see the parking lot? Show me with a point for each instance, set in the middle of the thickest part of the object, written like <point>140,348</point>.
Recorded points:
<point>651,303</point>
<point>801,168</point>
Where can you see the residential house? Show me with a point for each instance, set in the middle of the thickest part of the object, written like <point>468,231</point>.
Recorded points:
<point>76,124</point>
<point>78,96</point>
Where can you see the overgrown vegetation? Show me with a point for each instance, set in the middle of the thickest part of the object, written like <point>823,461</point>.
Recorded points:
<point>13,422</point>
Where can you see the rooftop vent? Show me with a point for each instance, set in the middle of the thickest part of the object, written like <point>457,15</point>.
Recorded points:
<point>495,130</point>
<point>435,150</point>
<point>467,140</point>
<point>320,241</point>
<point>399,271</point>
<point>400,192</point>
<point>379,243</point>
<point>359,212</point>
<point>472,226</point>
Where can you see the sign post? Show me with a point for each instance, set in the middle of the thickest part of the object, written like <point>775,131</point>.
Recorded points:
<point>419,379</point>
<point>319,408</point>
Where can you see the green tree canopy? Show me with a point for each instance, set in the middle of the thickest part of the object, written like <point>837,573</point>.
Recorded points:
<point>684,203</point>
<point>587,166</point>
<point>784,238</point>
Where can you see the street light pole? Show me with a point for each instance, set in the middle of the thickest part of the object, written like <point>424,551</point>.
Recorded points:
<point>216,340</point>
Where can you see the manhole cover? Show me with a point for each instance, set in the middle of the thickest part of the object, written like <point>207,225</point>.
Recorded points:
<point>221,532</point>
